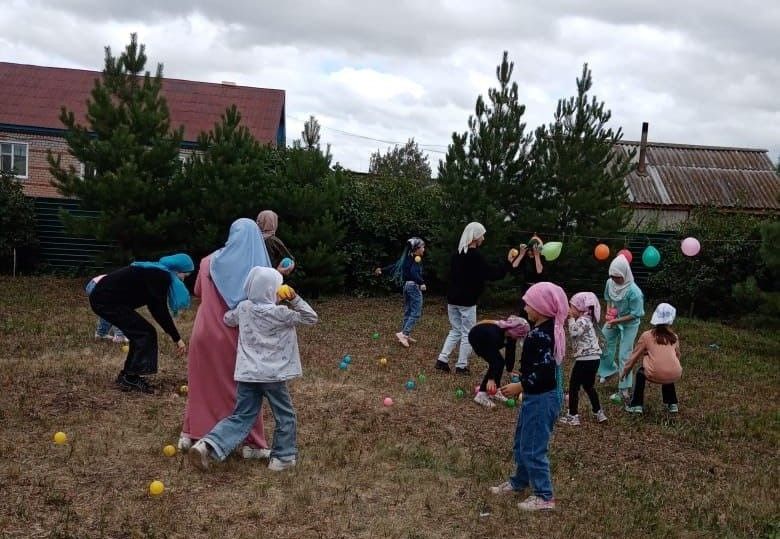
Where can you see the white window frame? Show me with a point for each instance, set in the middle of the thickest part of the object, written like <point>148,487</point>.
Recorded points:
<point>26,157</point>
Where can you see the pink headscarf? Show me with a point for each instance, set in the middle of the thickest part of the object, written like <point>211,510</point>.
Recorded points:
<point>516,327</point>
<point>267,220</point>
<point>550,300</point>
<point>582,301</point>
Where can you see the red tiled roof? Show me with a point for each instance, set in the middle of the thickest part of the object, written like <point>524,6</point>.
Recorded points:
<point>31,96</point>
<point>685,176</point>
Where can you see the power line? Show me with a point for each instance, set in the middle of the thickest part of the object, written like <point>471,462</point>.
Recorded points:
<point>426,147</point>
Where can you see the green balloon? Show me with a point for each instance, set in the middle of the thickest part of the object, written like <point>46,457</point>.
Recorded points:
<point>510,403</point>
<point>375,335</point>
<point>551,250</point>
<point>421,378</point>
<point>459,393</point>
<point>651,257</point>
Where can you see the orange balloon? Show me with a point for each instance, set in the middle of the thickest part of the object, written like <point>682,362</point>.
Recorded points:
<point>601,252</point>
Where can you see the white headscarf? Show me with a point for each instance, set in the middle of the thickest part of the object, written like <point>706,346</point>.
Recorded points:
<point>261,285</point>
<point>620,268</point>
<point>472,232</point>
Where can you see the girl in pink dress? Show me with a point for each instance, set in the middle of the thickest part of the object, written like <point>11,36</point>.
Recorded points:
<point>212,351</point>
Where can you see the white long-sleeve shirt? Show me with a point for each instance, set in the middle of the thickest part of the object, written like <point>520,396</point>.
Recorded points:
<point>267,341</point>
<point>584,339</point>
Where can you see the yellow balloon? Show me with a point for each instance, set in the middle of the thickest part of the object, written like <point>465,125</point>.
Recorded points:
<point>169,450</point>
<point>60,438</point>
<point>125,348</point>
<point>418,259</point>
<point>513,253</point>
<point>156,488</point>
<point>383,361</point>
<point>184,389</point>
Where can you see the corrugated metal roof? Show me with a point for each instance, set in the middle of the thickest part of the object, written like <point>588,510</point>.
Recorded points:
<point>686,175</point>
<point>33,95</point>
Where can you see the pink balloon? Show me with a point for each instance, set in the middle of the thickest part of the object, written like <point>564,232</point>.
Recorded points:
<point>627,254</point>
<point>690,246</point>
<point>388,401</point>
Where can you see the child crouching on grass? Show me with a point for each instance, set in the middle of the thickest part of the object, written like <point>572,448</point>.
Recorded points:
<point>543,350</point>
<point>659,350</point>
<point>487,338</point>
<point>266,359</point>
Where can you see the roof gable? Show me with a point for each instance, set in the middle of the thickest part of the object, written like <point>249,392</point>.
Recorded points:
<point>32,96</point>
<point>686,175</point>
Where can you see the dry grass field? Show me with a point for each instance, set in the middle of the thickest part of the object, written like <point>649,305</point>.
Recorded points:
<point>420,468</point>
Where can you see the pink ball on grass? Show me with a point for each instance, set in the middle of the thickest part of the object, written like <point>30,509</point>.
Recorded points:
<point>388,401</point>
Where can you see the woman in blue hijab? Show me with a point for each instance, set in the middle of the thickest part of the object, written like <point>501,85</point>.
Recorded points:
<point>211,359</point>
<point>156,285</point>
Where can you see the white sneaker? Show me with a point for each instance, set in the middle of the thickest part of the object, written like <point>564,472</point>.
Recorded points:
<point>249,452</point>
<point>568,419</point>
<point>99,336</point>
<point>503,488</point>
<point>535,503</point>
<point>499,397</point>
<point>602,380</point>
<point>278,465</point>
<point>403,339</point>
<point>600,416</point>
<point>185,442</point>
<point>120,339</point>
<point>199,455</point>
<point>483,400</point>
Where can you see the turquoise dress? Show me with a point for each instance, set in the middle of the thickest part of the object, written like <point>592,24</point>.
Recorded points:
<point>620,338</point>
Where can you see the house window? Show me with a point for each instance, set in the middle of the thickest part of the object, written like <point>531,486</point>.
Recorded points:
<point>86,171</point>
<point>13,158</point>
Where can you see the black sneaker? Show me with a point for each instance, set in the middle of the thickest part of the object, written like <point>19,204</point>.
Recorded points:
<point>462,370</point>
<point>129,382</point>
<point>440,365</point>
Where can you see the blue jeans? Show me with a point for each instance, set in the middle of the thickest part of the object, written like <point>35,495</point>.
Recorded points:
<point>103,326</point>
<point>535,423</point>
<point>413,301</point>
<point>232,430</point>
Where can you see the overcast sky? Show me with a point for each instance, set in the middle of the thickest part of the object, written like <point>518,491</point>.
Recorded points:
<point>700,72</point>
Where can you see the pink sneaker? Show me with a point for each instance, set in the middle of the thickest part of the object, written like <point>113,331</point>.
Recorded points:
<point>535,503</point>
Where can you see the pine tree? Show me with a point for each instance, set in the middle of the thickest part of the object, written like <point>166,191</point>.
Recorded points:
<point>311,133</point>
<point>130,155</point>
<point>578,174</point>
<point>307,195</point>
<point>483,177</point>
<point>17,217</point>
<point>230,175</point>
<point>406,161</point>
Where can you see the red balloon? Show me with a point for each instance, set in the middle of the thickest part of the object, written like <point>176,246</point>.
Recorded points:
<point>601,252</point>
<point>626,253</point>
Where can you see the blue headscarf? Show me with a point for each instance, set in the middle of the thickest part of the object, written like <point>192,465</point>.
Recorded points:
<point>178,295</point>
<point>230,265</point>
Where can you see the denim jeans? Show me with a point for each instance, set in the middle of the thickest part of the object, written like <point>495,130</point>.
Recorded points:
<point>626,333</point>
<point>462,319</point>
<point>103,326</point>
<point>233,430</point>
<point>413,301</point>
<point>535,423</point>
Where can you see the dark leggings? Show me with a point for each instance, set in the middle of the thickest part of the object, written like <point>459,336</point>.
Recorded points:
<point>487,341</point>
<point>142,356</point>
<point>583,375</point>
<point>668,392</point>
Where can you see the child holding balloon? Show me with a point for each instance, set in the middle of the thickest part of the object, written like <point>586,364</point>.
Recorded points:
<point>407,271</point>
<point>625,302</point>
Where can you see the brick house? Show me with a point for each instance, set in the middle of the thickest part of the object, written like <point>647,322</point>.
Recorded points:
<point>31,98</point>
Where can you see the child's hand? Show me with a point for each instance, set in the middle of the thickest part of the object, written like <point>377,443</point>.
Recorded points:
<point>423,288</point>
<point>572,312</point>
<point>378,272</point>
<point>491,387</point>
<point>286,270</point>
<point>181,347</point>
<point>511,390</point>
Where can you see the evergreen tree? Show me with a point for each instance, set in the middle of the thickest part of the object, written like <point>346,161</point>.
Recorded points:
<point>130,155</point>
<point>307,195</point>
<point>578,174</point>
<point>311,133</point>
<point>406,161</point>
<point>483,177</point>
<point>230,175</point>
<point>17,218</point>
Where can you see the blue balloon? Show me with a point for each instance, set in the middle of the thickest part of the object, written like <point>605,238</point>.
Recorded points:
<point>410,384</point>
<point>651,257</point>
<point>515,378</point>
<point>343,365</point>
<point>347,359</point>
<point>286,262</point>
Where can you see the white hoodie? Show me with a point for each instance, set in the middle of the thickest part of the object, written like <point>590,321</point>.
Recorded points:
<point>267,341</point>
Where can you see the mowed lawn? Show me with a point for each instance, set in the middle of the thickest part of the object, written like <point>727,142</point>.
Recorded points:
<point>420,468</point>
